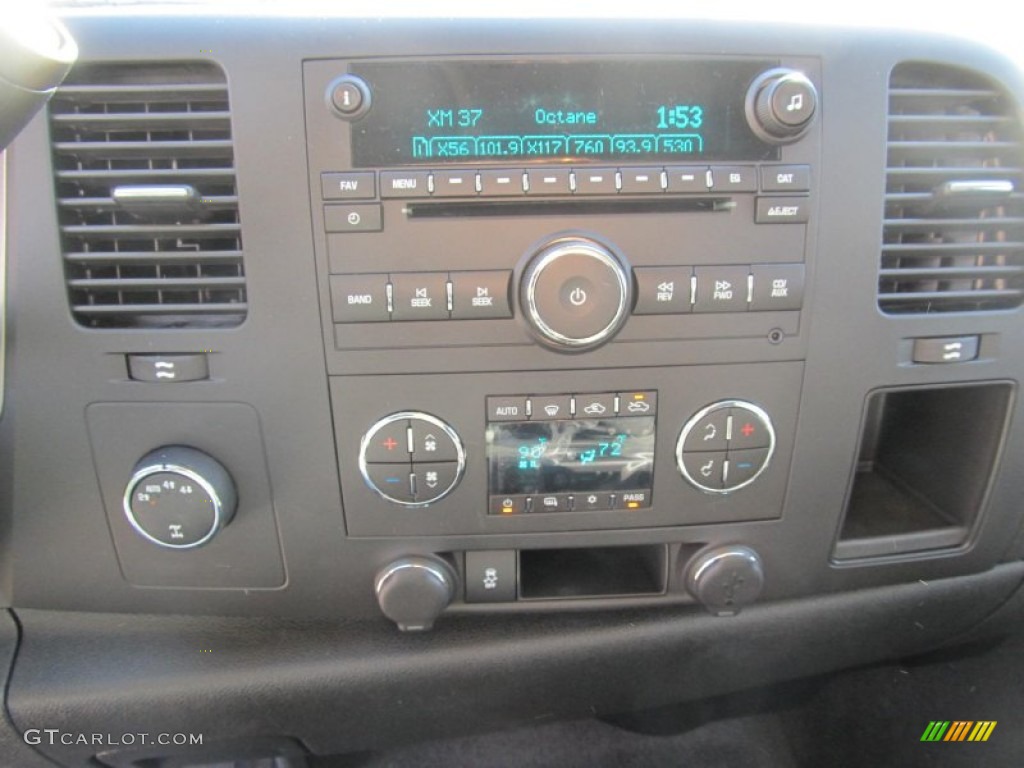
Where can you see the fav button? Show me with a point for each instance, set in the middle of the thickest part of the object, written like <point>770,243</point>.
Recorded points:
<point>351,186</point>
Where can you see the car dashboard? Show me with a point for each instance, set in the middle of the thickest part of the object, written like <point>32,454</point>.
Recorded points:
<point>370,380</point>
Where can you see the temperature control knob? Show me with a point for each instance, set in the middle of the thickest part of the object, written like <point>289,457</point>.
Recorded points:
<point>780,105</point>
<point>179,497</point>
<point>575,293</point>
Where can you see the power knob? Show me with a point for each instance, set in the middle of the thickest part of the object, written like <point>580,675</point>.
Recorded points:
<point>576,293</point>
<point>781,103</point>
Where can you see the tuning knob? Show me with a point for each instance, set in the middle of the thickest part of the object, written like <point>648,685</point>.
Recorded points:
<point>576,294</point>
<point>414,591</point>
<point>179,497</point>
<point>780,105</point>
<point>725,579</point>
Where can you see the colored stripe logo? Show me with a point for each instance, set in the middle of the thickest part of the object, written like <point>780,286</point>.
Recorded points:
<point>958,730</point>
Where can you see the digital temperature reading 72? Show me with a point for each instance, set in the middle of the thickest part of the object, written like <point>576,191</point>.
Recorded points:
<point>579,111</point>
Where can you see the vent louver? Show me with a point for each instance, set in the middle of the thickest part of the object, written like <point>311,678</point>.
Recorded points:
<point>146,196</point>
<point>953,237</point>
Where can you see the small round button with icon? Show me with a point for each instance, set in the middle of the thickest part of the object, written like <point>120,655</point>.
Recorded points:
<point>348,97</point>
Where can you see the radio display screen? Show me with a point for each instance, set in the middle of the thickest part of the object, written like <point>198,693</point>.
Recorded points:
<point>571,456</point>
<point>583,111</point>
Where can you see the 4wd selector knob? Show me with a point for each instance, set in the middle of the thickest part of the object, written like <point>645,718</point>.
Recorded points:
<point>179,497</point>
<point>575,293</point>
<point>781,104</point>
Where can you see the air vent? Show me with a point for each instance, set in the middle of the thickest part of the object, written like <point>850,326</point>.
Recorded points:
<point>146,196</point>
<point>954,209</point>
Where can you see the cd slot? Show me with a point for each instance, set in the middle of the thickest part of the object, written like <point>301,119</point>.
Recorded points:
<point>563,207</point>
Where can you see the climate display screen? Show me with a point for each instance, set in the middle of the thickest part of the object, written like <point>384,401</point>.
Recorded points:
<point>579,111</point>
<point>571,456</point>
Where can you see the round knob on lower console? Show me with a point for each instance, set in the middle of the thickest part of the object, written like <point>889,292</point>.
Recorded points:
<point>179,497</point>
<point>781,104</point>
<point>575,293</point>
<point>414,591</point>
<point>725,579</point>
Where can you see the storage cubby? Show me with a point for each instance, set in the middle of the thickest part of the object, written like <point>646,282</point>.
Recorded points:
<point>926,460</point>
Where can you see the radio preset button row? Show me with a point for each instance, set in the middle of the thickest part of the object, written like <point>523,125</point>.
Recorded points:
<point>515,182</point>
<point>680,290</point>
<point>420,296</point>
<point>589,406</point>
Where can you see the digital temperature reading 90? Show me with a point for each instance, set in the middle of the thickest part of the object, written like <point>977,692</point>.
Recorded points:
<point>441,112</point>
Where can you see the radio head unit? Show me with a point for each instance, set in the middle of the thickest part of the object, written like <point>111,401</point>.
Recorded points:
<point>530,111</point>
